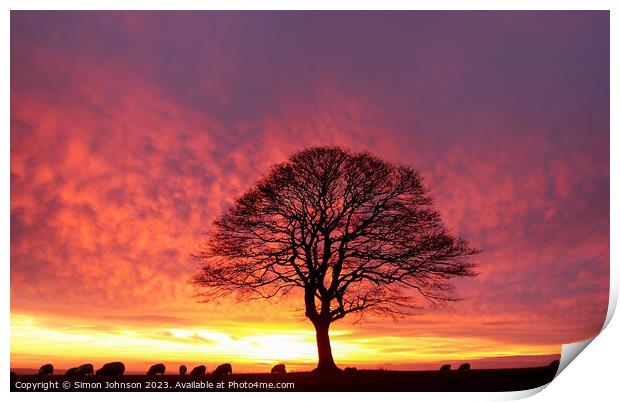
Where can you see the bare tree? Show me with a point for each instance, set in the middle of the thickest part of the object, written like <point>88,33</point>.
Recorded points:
<point>355,233</point>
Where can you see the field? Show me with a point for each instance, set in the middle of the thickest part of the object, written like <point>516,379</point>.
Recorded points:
<point>371,380</point>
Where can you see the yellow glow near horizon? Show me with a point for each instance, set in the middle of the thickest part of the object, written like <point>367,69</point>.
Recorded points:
<point>249,348</point>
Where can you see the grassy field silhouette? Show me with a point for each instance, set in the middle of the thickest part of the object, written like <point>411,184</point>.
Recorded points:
<point>513,379</point>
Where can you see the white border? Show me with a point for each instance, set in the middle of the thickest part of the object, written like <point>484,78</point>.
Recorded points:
<point>314,5</point>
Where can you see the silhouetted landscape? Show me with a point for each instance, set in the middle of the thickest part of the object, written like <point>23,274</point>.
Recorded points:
<point>305,200</point>
<point>360,380</point>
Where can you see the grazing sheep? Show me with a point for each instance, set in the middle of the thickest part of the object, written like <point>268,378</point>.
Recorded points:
<point>114,368</point>
<point>223,369</point>
<point>157,369</point>
<point>464,366</point>
<point>278,369</point>
<point>445,367</point>
<point>182,369</point>
<point>85,369</point>
<point>349,370</point>
<point>71,371</point>
<point>46,369</point>
<point>198,370</point>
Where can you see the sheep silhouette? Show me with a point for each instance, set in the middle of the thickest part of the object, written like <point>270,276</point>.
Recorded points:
<point>223,369</point>
<point>46,369</point>
<point>445,367</point>
<point>198,370</point>
<point>464,366</point>
<point>349,370</point>
<point>114,368</point>
<point>85,369</point>
<point>158,368</point>
<point>278,369</point>
<point>182,369</point>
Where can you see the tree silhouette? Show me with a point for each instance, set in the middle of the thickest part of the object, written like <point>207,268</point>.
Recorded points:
<point>355,233</point>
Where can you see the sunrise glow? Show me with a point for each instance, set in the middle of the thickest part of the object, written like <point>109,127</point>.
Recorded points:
<point>131,132</point>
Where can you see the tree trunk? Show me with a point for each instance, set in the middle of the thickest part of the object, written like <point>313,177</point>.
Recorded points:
<point>326,360</point>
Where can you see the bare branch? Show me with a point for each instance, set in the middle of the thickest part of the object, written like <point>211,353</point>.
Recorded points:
<point>357,233</point>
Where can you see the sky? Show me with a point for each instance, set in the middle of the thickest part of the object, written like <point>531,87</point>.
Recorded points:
<point>132,131</point>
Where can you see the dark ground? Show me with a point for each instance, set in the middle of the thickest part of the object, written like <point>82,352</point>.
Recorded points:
<point>371,380</point>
